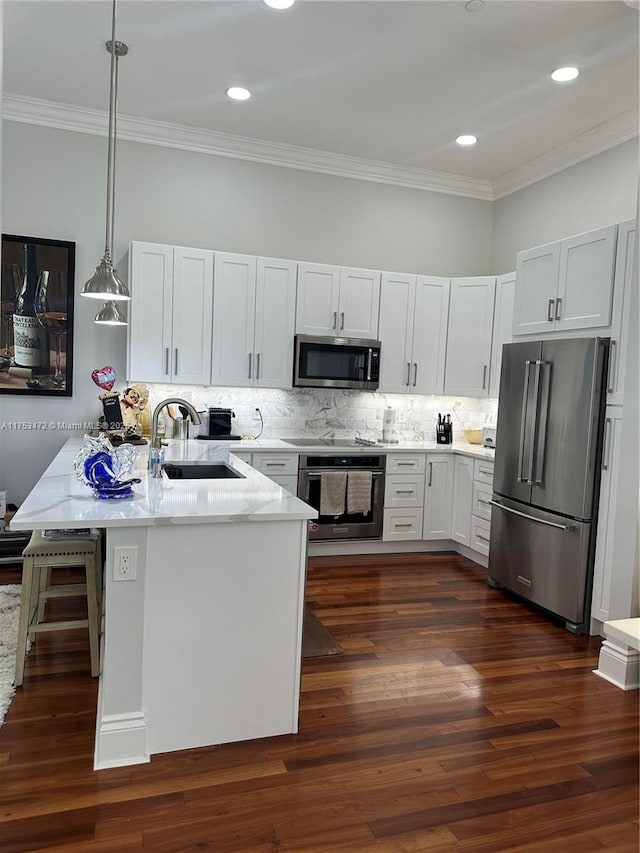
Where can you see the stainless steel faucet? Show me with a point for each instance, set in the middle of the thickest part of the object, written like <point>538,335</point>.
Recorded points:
<point>155,465</point>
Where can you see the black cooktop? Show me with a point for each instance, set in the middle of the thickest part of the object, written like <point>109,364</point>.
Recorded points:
<point>325,442</point>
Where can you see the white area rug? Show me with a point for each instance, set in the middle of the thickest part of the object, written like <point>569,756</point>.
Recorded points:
<point>9,613</point>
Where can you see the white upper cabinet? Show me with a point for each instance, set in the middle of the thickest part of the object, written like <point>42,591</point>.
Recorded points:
<point>253,321</point>
<point>621,312</point>
<point>413,333</point>
<point>469,336</point>
<point>502,326</point>
<point>566,285</point>
<point>170,314</point>
<point>337,301</point>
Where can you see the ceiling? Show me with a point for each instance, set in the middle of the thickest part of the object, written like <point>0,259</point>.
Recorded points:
<point>372,88</point>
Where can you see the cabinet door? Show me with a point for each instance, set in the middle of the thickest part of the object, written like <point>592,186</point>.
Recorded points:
<point>192,307</point>
<point>586,280</point>
<point>430,334</point>
<point>438,496</point>
<point>274,323</point>
<point>502,326</point>
<point>462,500</point>
<point>603,562</point>
<point>234,290</point>
<point>397,307</point>
<point>151,278</point>
<point>317,302</point>
<point>469,336</point>
<point>359,303</point>
<point>537,273</point>
<point>621,312</point>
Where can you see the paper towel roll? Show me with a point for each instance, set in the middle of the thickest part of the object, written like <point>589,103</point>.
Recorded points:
<point>389,424</point>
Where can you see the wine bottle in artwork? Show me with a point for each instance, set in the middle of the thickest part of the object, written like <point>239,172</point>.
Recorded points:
<point>30,338</point>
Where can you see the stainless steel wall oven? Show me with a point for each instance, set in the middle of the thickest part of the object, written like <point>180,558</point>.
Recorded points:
<point>344,525</point>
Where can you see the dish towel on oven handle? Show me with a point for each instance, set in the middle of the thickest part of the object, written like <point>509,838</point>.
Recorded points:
<point>359,491</point>
<point>333,487</point>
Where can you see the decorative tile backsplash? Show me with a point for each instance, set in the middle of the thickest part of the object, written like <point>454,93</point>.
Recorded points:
<point>333,413</point>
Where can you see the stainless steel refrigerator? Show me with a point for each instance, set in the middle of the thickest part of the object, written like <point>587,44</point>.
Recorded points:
<point>547,473</point>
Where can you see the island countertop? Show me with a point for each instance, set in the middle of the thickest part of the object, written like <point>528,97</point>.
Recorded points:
<point>60,500</point>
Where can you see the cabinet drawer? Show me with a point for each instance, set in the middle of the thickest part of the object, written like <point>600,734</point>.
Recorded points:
<point>405,463</point>
<point>480,531</point>
<point>287,482</point>
<point>403,490</point>
<point>401,524</point>
<point>481,506</point>
<point>276,463</point>
<point>246,457</point>
<point>483,471</point>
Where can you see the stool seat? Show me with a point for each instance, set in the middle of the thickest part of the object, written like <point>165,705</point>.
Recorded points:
<point>39,557</point>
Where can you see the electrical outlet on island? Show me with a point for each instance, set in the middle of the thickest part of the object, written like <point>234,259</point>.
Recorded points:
<point>125,564</point>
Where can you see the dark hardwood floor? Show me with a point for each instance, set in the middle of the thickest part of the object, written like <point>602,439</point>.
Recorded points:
<point>456,719</point>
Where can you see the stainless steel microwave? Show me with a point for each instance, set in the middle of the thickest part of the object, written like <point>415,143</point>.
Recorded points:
<point>326,362</point>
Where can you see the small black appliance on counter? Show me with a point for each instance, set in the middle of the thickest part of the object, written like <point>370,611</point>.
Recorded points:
<point>220,426</point>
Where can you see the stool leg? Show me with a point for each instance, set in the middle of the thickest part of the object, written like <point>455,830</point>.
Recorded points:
<point>26,597</point>
<point>43,586</point>
<point>92,612</point>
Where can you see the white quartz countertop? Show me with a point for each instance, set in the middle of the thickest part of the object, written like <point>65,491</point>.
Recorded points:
<point>60,500</point>
<point>281,445</point>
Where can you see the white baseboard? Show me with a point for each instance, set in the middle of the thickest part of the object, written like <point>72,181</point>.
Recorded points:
<point>619,666</point>
<point>121,740</point>
<point>377,546</point>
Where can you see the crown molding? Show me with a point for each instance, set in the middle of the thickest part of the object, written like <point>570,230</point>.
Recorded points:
<point>81,120</point>
<point>66,117</point>
<point>600,138</point>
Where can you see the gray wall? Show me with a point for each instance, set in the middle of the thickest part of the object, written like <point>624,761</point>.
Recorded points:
<point>53,186</point>
<point>599,191</point>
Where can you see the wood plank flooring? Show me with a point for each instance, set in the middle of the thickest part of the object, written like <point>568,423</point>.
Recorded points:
<point>456,719</point>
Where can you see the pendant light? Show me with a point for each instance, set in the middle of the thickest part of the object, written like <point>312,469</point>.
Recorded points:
<point>104,283</point>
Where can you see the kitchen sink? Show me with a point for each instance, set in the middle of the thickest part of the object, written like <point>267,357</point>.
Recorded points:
<point>194,471</point>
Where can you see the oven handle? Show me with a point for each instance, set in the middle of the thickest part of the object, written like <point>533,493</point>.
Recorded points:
<point>374,474</point>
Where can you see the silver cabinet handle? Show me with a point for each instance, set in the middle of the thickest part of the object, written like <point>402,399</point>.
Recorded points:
<point>405,491</point>
<point>250,357</point>
<point>335,319</point>
<point>257,365</point>
<point>406,464</point>
<point>564,527</point>
<point>415,374</point>
<point>430,480</point>
<point>341,320</point>
<point>550,311</point>
<point>611,386</point>
<point>408,373</point>
<point>395,524</point>
<point>485,471</point>
<point>166,360</point>
<point>175,361</point>
<point>484,377</point>
<point>606,450</point>
<point>486,503</point>
<point>484,538</point>
<point>558,305</point>
<point>274,464</point>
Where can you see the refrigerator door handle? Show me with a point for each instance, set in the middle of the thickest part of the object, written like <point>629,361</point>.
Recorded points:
<point>564,527</point>
<point>540,429</point>
<point>534,420</point>
<point>523,421</point>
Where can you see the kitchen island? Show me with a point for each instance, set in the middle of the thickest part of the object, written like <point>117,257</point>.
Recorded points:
<point>203,635</point>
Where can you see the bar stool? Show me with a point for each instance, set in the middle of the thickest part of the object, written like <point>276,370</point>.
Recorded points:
<point>39,557</point>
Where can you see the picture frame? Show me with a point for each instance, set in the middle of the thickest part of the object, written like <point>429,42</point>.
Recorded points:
<point>36,329</point>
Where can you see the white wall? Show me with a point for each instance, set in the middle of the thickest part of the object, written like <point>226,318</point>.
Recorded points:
<point>599,191</point>
<point>54,187</point>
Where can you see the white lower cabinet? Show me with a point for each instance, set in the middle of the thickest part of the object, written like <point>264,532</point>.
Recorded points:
<point>276,464</point>
<point>481,505</point>
<point>438,496</point>
<point>403,497</point>
<point>480,531</point>
<point>462,500</point>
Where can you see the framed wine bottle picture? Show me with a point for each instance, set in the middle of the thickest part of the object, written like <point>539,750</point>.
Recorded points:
<point>36,334</point>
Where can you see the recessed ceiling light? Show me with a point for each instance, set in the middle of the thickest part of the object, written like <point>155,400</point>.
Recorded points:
<point>280,4</point>
<point>238,93</point>
<point>466,139</point>
<point>563,75</point>
<point>474,5</point>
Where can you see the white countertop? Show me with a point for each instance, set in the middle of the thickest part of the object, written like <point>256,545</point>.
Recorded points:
<point>60,500</point>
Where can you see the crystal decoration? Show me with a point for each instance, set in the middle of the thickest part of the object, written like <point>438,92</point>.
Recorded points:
<point>105,469</point>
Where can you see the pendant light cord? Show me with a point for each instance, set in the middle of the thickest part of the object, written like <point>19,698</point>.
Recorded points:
<point>110,150</point>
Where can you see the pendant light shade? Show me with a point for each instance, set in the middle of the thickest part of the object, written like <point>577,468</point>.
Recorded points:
<point>110,315</point>
<point>104,283</point>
